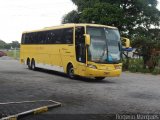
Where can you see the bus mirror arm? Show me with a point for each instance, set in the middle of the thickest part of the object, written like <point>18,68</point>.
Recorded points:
<point>87,39</point>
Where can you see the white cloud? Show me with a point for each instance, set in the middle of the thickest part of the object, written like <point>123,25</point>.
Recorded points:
<point>21,15</point>
<point>158,6</point>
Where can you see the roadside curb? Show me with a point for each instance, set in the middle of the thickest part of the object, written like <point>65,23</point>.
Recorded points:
<point>35,111</point>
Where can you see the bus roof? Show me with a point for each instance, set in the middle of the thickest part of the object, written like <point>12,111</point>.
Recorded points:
<point>69,25</point>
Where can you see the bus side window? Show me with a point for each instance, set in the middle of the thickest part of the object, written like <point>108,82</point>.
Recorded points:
<point>67,36</point>
<point>27,38</point>
<point>38,37</point>
<point>48,37</point>
<point>30,38</point>
<point>23,41</point>
<point>80,45</point>
<point>34,37</point>
<point>52,37</point>
<point>57,36</point>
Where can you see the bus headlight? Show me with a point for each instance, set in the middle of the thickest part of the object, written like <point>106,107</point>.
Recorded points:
<point>118,67</point>
<point>91,66</point>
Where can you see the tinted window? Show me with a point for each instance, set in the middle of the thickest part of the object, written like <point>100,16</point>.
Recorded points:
<point>80,45</point>
<point>27,38</point>
<point>50,37</point>
<point>58,37</point>
<point>34,38</point>
<point>41,37</point>
<point>67,37</point>
<point>61,36</point>
<point>23,39</point>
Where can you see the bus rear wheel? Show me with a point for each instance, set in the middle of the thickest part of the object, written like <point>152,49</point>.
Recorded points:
<point>99,78</point>
<point>70,71</point>
<point>33,66</point>
<point>28,63</point>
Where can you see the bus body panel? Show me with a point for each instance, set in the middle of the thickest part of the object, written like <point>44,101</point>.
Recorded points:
<point>90,72</point>
<point>49,55</point>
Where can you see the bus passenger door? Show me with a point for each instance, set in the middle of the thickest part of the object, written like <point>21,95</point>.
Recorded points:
<point>80,50</point>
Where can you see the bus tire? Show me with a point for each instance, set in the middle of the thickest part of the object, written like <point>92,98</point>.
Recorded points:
<point>33,66</point>
<point>28,63</point>
<point>70,71</point>
<point>99,78</point>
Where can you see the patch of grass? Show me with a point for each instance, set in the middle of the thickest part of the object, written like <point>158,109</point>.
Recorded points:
<point>156,71</point>
<point>136,65</point>
<point>14,54</point>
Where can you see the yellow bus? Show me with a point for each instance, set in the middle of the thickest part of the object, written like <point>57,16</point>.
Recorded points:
<point>88,50</point>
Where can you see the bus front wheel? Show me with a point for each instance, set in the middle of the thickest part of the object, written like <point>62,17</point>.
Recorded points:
<point>99,78</point>
<point>70,71</point>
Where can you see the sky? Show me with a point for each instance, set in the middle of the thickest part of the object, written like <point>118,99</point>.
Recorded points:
<point>17,16</point>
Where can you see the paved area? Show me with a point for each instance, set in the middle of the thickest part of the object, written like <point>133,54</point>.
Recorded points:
<point>129,94</point>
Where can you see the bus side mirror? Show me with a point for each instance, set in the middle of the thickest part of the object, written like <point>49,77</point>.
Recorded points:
<point>125,42</point>
<point>87,39</point>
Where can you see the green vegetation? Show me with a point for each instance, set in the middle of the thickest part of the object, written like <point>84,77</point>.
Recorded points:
<point>156,71</point>
<point>14,54</point>
<point>7,46</point>
<point>136,65</point>
<point>2,44</point>
<point>130,16</point>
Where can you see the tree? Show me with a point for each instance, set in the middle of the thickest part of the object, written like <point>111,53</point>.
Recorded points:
<point>2,44</point>
<point>127,15</point>
<point>148,42</point>
<point>7,46</point>
<point>72,17</point>
<point>15,44</point>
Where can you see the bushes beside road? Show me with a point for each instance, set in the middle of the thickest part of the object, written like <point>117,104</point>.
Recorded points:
<point>136,65</point>
<point>13,53</point>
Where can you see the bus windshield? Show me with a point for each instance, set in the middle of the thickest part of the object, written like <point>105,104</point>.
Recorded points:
<point>105,45</point>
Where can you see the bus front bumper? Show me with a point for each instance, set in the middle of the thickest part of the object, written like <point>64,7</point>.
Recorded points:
<point>90,72</point>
